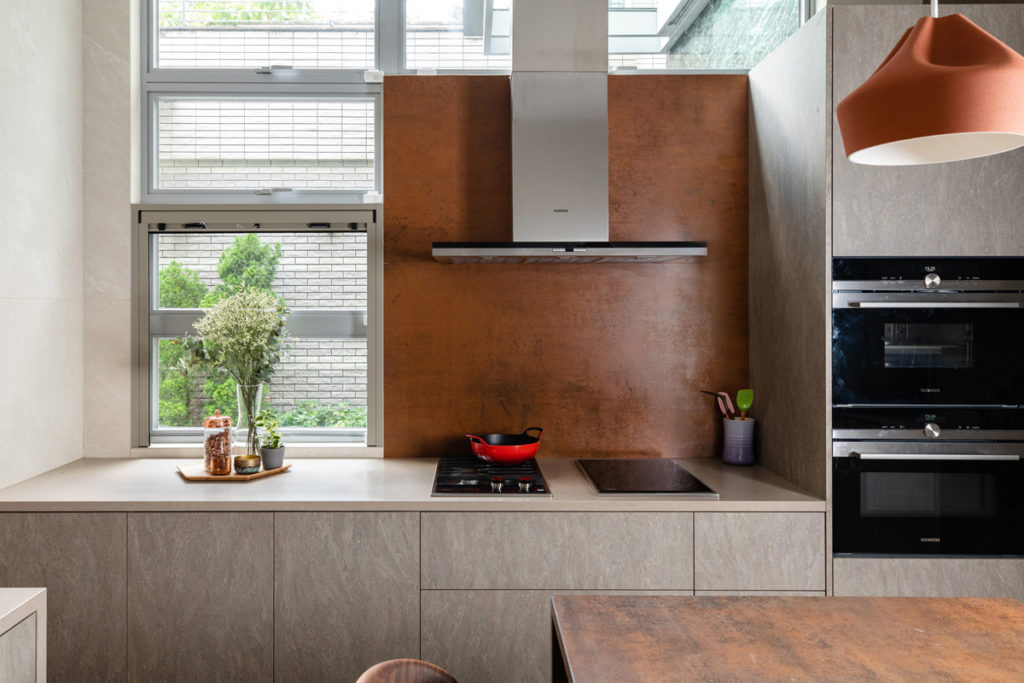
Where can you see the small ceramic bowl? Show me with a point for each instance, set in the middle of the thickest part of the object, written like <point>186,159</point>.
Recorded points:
<point>247,464</point>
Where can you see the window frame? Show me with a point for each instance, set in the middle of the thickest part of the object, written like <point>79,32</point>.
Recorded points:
<point>233,83</point>
<point>233,219</point>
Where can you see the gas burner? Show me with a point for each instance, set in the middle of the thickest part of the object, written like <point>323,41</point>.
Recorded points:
<point>467,475</point>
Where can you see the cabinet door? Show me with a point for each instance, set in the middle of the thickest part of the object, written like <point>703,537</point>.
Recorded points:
<point>80,559</point>
<point>962,208</point>
<point>346,592</point>
<point>18,652</point>
<point>558,550</point>
<point>200,596</point>
<point>498,636</point>
<point>928,577</point>
<point>759,551</point>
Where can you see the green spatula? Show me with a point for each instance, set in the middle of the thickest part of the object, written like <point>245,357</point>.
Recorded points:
<point>744,399</point>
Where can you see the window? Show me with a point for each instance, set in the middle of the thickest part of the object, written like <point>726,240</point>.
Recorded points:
<point>261,101</point>
<point>697,34</point>
<point>458,34</point>
<point>228,34</point>
<point>323,264</point>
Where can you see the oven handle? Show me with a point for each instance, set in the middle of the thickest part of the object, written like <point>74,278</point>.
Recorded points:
<point>934,304</point>
<point>931,456</point>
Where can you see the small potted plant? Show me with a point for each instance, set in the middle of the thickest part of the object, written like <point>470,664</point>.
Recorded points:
<point>271,448</point>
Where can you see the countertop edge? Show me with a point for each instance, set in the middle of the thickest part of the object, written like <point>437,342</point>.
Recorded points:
<point>609,506</point>
<point>16,604</point>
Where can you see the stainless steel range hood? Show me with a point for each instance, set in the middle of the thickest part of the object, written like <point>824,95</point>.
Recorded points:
<point>560,146</point>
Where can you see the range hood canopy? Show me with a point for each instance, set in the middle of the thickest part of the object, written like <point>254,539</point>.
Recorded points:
<point>560,146</point>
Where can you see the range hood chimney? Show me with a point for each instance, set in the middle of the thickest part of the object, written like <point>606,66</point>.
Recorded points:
<point>560,145</point>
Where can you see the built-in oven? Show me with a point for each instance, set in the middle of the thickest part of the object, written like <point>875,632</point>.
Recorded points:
<point>914,498</point>
<point>914,331</point>
<point>927,417</point>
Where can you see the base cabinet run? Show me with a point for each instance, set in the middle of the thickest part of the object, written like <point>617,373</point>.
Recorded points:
<point>321,596</point>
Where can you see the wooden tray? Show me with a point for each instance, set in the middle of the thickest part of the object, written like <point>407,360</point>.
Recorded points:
<point>199,473</point>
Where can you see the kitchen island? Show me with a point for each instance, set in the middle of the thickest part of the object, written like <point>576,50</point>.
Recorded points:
<point>350,562</point>
<point>638,638</point>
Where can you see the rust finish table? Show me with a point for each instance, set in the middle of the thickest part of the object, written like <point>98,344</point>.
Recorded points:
<point>663,638</point>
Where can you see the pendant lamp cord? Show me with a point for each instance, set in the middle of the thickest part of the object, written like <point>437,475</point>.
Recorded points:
<point>935,8</point>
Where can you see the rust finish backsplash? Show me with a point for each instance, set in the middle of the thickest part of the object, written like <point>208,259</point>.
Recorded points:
<point>607,358</point>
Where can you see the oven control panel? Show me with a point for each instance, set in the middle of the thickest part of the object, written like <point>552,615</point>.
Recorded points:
<point>1003,423</point>
<point>926,273</point>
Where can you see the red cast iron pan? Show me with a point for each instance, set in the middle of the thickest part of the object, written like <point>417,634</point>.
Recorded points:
<point>506,449</point>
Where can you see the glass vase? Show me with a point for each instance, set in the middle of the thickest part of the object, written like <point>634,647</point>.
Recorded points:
<point>249,397</point>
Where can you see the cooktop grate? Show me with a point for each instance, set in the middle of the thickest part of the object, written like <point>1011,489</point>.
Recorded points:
<point>467,475</point>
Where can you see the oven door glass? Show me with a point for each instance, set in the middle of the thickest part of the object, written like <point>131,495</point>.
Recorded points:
<point>927,356</point>
<point>925,507</point>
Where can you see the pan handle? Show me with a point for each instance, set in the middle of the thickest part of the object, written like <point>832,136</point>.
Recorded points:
<point>477,439</point>
<point>526,432</point>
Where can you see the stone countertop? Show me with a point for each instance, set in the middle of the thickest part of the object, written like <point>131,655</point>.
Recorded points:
<point>374,484</point>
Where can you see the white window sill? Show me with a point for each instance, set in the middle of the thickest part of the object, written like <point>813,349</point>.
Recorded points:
<point>296,450</point>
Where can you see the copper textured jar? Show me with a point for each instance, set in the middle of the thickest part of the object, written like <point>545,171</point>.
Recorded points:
<point>218,437</point>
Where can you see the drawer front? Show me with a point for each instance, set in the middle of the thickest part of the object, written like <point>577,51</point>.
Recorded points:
<point>558,551</point>
<point>759,551</point>
<point>951,577</point>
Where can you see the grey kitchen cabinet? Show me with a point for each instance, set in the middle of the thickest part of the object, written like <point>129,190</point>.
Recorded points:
<point>200,596</point>
<point>80,559</point>
<point>928,577</point>
<point>963,208</point>
<point>346,592</point>
<point>759,551</point>
<point>499,636</point>
<point>18,652</point>
<point>557,550</point>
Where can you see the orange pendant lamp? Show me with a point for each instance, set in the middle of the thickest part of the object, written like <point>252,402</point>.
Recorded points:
<point>948,91</point>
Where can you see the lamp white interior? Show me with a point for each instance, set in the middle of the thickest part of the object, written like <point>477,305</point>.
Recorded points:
<point>936,149</point>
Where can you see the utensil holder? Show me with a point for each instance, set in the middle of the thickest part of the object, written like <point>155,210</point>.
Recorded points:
<point>738,446</point>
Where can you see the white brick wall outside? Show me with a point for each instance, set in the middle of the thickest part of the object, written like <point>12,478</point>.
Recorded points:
<point>318,271</point>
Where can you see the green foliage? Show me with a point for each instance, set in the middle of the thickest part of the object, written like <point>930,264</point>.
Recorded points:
<point>180,287</point>
<point>246,264</point>
<point>219,391</point>
<point>266,422</point>
<point>310,413</point>
<point>178,399</point>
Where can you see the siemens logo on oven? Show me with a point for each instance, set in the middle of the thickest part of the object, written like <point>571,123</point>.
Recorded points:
<point>930,390</point>
<point>931,540</point>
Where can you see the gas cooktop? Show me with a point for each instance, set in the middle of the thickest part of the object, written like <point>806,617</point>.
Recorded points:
<point>646,476</point>
<point>467,475</point>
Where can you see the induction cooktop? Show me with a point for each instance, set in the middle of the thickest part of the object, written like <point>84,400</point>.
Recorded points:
<point>646,476</point>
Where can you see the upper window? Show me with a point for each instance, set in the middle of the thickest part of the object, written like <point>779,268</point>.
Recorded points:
<point>261,101</point>
<point>264,144</point>
<point>697,34</point>
<point>458,34</point>
<point>229,34</point>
